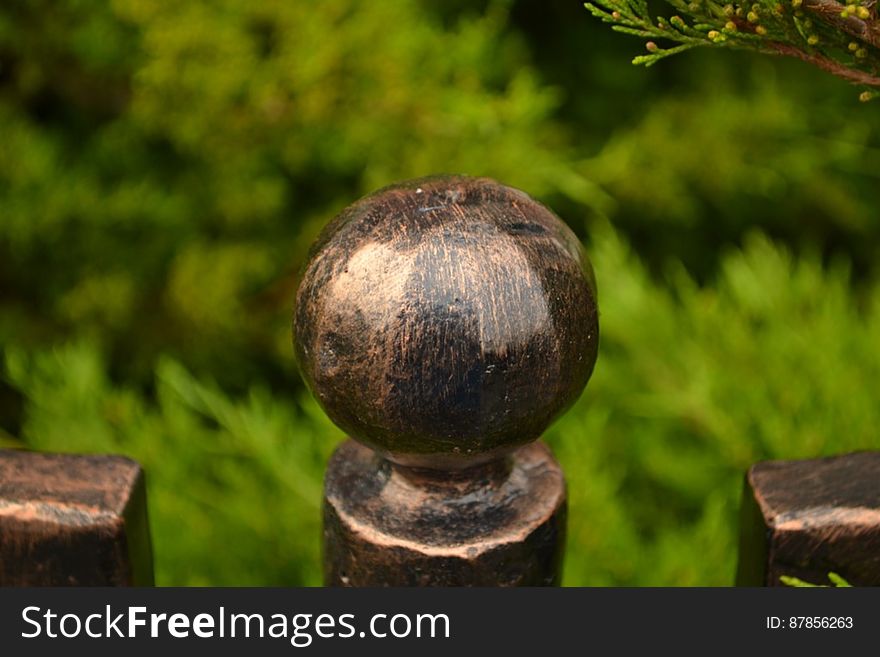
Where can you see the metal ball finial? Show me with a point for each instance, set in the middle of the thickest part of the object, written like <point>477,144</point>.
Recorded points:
<point>446,321</point>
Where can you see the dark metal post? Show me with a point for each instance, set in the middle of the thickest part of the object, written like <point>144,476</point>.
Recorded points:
<point>69,520</point>
<point>806,519</point>
<point>444,323</point>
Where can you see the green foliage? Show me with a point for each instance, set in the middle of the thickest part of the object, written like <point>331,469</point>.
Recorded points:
<point>705,167</point>
<point>692,386</point>
<point>177,160</point>
<point>234,487</point>
<point>842,39</point>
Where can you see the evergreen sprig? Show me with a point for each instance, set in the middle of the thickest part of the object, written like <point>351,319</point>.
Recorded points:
<point>842,39</point>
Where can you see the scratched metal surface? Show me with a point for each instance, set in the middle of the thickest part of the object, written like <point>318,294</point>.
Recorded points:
<point>446,320</point>
<point>69,520</point>
<point>495,526</point>
<point>811,517</point>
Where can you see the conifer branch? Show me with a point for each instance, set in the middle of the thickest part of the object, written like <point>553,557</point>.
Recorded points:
<point>842,39</point>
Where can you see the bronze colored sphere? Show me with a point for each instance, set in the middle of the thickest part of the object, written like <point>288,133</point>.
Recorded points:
<point>446,321</point>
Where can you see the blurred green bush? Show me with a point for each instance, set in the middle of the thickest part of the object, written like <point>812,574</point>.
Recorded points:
<point>776,359</point>
<point>164,166</point>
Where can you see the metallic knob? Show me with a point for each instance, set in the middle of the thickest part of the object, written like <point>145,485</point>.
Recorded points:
<point>446,321</point>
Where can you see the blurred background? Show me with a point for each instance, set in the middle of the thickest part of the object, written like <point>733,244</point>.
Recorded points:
<point>164,167</point>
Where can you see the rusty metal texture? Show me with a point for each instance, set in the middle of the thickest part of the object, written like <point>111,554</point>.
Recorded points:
<point>69,520</point>
<point>807,518</point>
<point>445,322</point>
<point>386,526</point>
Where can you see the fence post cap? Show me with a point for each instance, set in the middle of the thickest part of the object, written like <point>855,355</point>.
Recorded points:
<point>72,520</point>
<point>446,321</point>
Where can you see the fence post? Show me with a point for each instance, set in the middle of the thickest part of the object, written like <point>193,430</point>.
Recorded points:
<point>443,323</point>
<point>68,520</point>
<point>807,518</point>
